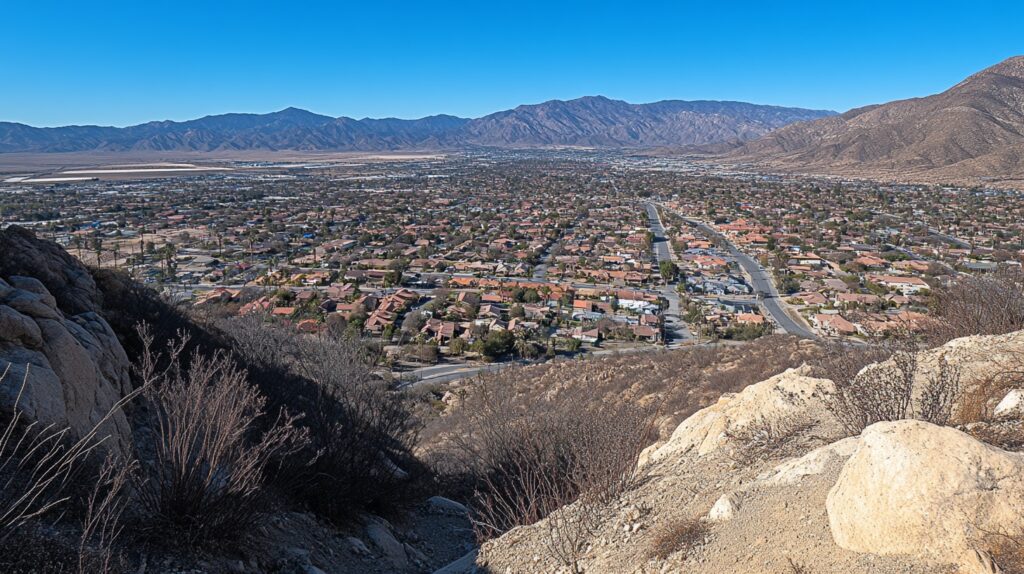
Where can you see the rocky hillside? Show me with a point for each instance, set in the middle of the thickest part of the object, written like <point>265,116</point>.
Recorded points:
<point>765,480</point>
<point>59,352</point>
<point>972,132</point>
<point>589,121</point>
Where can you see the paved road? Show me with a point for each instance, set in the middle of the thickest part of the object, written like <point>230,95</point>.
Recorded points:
<point>453,372</point>
<point>761,282</point>
<point>676,331</point>
<point>955,241</point>
<point>448,373</point>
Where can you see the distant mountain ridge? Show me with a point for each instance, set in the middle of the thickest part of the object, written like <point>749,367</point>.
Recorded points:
<point>973,132</point>
<point>592,121</point>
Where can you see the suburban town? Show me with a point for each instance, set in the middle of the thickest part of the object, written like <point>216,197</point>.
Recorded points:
<point>451,261</point>
<point>550,288</point>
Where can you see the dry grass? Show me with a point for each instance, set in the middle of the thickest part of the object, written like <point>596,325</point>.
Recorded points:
<point>678,383</point>
<point>769,439</point>
<point>678,536</point>
<point>978,305</point>
<point>204,481</point>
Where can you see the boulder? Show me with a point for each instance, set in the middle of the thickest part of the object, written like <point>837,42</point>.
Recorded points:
<point>442,505</point>
<point>811,464</point>
<point>379,532</point>
<point>930,492</point>
<point>71,285</point>
<point>464,565</point>
<point>68,368</point>
<point>791,395</point>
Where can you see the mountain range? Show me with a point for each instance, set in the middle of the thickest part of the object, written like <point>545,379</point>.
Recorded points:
<point>971,133</point>
<point>593,121</point>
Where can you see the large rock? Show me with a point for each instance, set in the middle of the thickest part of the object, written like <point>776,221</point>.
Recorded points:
<point>932,492</point>
<point>60,355</point>
<point>63,276</point>
<point>785,398</point>
<point>811,464</point>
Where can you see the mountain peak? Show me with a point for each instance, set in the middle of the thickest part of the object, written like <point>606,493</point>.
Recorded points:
<point>969,133</point>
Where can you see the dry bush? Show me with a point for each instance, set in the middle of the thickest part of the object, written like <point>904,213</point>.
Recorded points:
<point>1007,435</point>
<point>941,392</point>
<point>41,468</point>
<point>767,438</point>
<point>204,480</point>
<point>978,305</point>
<point>524,461</point>
<point>678,536</point>
<point>979,403</point>
<point>884,389</point>
<point>102,524</point>
<point>361,434</point>
<point>680,382</point>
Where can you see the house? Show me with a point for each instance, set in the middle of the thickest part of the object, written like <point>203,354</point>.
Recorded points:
<point>834,325</point>
<point>752,318</point>
<point>645,333</point>
<point>811,298</point>
<point>905,285</point>
<point>588,336</point>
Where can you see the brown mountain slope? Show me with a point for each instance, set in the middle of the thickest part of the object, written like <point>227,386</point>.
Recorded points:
<point>971,133</point>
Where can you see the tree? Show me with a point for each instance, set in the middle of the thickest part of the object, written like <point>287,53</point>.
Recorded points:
<point>458,346</point>
<point>668,271</point>
<point>497,343</point>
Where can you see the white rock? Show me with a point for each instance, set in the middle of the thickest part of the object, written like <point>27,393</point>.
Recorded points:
<point>464,565</point>
<point>725,508</point>
<point>381,537</point>
<point>1012,405</point>
<point>786,396</point>
<point>442,505</point>
<point>930,492</point>
<point>812,463</point>
<point>357,546</point>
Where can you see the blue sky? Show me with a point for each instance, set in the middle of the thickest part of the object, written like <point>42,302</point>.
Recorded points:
<point>114,63</point>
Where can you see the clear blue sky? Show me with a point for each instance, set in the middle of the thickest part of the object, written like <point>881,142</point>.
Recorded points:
<point>95,62</point>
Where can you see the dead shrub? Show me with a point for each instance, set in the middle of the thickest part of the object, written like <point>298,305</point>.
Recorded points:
<point>989,304</point>
<point>1007,435</point>
<point>527,460</point>
<point>767,438</point>
<point>42,467</point>
<point>683,535</point>
<point>359,455</point>
<point>979,402</point>
<point>204,480</point>
<point>884,389</point>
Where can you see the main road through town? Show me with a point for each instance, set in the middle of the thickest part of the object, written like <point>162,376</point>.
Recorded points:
<point>760,280</point>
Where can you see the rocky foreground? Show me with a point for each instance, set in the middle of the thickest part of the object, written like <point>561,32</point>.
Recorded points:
<point>765,481</point>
